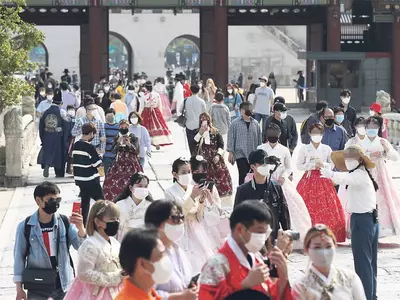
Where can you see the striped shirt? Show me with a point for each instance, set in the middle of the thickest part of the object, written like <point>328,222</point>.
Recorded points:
<point>85,161</point>
<point>111,131</point>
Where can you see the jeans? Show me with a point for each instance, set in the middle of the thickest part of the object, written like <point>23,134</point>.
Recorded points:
<point>260,117</point>
<point>107,163</point>
<point>90,190</point>
<point>190,134</point>
<point>364,244</point>
<point>142,161</point>
<point>243,168</point>
<point>45,295</point>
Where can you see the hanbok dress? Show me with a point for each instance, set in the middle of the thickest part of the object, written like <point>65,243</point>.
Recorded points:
<point>388,199</point>
<point>99,272</point>
<point>195,242</point>
<point>125,164</point>
<point>165,106</point>
<point>209,145</point>
<point>319,194</point>
<point>299,216</point>
<point>153,119</point>
<point>341,284</point>
<point>132,215</point>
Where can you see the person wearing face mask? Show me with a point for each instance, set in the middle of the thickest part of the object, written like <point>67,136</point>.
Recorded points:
<point>70,116</point>
<point>203,94</point>
<point>144,261</point>
<point>278,118</point>
<point>318,193</point>
<point>99,272</point>
<point>38,236</point>
<point>111,129</point>
<point>263,100</point>
<point>104,96</point>
<point>85,161</point>
<point>375,110</point>
<point>261,187</point>
<point>41,96</point>
<point>142,134</point>
<point>100,85</point>
<point>178,96</point>
<point>121,110</point>
<point>334,136</point>
<point>68,98</point>
<point>193,198</point>
<point>161,89</point>
<point>341,120</point>
<point>126,162</point>
<point>349,112</point>
<point>167,217</point>
<point>239,266</point>
<point>233,101</point>
<point>45,104</point>
<point>133,202</point>
<point>299,215</point>
<point>361,187</point>
<point>324,280</point>
<point>244,136</point>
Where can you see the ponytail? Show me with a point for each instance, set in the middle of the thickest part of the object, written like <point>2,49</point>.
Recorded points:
<point>376,187</point>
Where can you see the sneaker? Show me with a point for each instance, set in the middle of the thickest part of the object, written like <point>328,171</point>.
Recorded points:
<point>46,171</point>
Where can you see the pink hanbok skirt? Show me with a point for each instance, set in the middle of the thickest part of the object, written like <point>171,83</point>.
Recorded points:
<point>85,291</point>
<point>165,107</point>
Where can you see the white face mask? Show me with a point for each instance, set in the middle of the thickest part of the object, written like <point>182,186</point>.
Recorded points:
<point>262,84</point>
<point>101,95</point>
<point>185,179</point>
<point>134,121</point>
<point>71,113</point>
<point>236,90</point>
<point>140,193</point>
<point>106,89</point>
<point>361,130</point>
<point>316,138</point>
<point>321,257</point>
<point>346,100</point>
<point>229,91</point>
<point>351,164</point>
<point>131,92</point>
<point>49,98</point>
<point>257,241</point>
<point>371,112</point>
<point>283,115</point>
<point>42,94</point>
<point>163,270</point>
<point>209,85</point>
<point>174,232</point>
<point>263,170</point>
<point>200,85</point>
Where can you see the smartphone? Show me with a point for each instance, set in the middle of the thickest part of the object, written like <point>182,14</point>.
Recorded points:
<point>76,207</point>
<point>202,182</point>
<point>210,186</point>
<point>193,281</point>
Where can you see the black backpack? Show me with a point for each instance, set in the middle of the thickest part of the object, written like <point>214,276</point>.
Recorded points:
<point>27,234</point>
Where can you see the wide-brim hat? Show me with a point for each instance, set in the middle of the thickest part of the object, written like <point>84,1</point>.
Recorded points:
<point>338,158</point>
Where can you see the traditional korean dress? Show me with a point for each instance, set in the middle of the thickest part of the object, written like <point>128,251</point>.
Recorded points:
<point>341,284</point>
<point>318,193</point>
<point>224,272</point>
<point>299,216</point>
<point>210,145</point>
<point>165,106</point>
<point>125,164</point>
<point>153,119</point>
<point>195,241</point>
<point>388,199</point>
<point>99,272</point>
<point>132,215</point>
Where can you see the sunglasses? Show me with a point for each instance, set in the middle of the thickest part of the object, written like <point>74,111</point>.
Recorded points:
<point>57,200</point>
<point>177,218</point>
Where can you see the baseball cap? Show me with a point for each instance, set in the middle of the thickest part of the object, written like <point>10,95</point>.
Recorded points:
<point>263,78</point>
<point>280,107</point>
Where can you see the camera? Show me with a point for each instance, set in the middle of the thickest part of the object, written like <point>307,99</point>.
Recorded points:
<point>294,236</point>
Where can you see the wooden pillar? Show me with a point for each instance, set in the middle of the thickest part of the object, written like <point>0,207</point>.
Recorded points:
<point>333,28</point>
<point>214,45</point>
<point>396,59</point>
<point>94,47</point>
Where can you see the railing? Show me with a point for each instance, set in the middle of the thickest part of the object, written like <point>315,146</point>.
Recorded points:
<point>393,128</point>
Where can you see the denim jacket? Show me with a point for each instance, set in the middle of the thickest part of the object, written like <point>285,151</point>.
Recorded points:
<point>38,256</point>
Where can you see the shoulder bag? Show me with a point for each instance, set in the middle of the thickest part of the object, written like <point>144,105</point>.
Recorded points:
<point>181,120</point>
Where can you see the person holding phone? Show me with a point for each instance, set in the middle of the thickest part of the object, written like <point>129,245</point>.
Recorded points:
<point>168,218</point>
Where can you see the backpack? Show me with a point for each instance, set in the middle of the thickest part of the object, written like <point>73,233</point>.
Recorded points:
<point>27,234</point>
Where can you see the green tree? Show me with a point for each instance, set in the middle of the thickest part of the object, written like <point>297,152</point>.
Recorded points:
<point>17,38</point>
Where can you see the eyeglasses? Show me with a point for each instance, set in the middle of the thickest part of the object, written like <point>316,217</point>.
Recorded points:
<point>103,209</point>
<point>177,218</point>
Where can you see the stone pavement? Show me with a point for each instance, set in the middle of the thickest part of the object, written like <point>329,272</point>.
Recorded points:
<point>159,171</point>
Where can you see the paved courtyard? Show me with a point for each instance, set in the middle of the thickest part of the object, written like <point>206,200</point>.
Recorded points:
<point>16,204</point>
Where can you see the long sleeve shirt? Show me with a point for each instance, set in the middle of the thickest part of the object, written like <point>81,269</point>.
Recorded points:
<point>335,137</point>
<point>144,138</point>
<point>97,142</point>
<point>220,117</point>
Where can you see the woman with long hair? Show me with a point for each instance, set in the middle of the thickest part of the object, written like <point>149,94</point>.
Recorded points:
<point>233,101</point>
<point>99,272</point>
<point>210,145</point>
<point>203,94</point>
<point>375,110</point>
<point>272,82</point>
<point>318,193</point>
<point>126,162</point>
<point>142,134</point>
<point>133,202</point>
<point>211,88</point>
<point>160,88</point>
<point>153,120</point>
<point>192,198</point>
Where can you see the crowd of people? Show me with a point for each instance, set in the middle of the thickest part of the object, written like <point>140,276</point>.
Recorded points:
<point>187,246</point>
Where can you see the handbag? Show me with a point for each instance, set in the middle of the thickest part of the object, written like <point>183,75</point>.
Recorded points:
<point>181,120</point>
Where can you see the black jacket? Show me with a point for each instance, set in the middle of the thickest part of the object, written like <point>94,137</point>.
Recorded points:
<point>351,115</point>
<point>289,135</point>
<point>273,197</point>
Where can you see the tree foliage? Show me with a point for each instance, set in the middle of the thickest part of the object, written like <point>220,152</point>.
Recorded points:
<point>17,38</point>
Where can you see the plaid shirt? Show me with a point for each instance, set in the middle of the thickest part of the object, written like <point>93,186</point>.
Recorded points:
<point>77,131</point>
<point>242,140</point>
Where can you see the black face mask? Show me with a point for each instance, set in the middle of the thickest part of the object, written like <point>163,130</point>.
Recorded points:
<point>248,112</point>
<point>329,122</point>
<point>197,177</point>
<point>123,130</point>
<point>51,206</point>
<point>112,228</point>
<point>273,139</point>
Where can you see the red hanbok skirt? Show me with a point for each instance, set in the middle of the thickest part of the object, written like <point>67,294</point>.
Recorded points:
<point>322,201</point>
<point>117,178</point>
<point>158,129</point>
